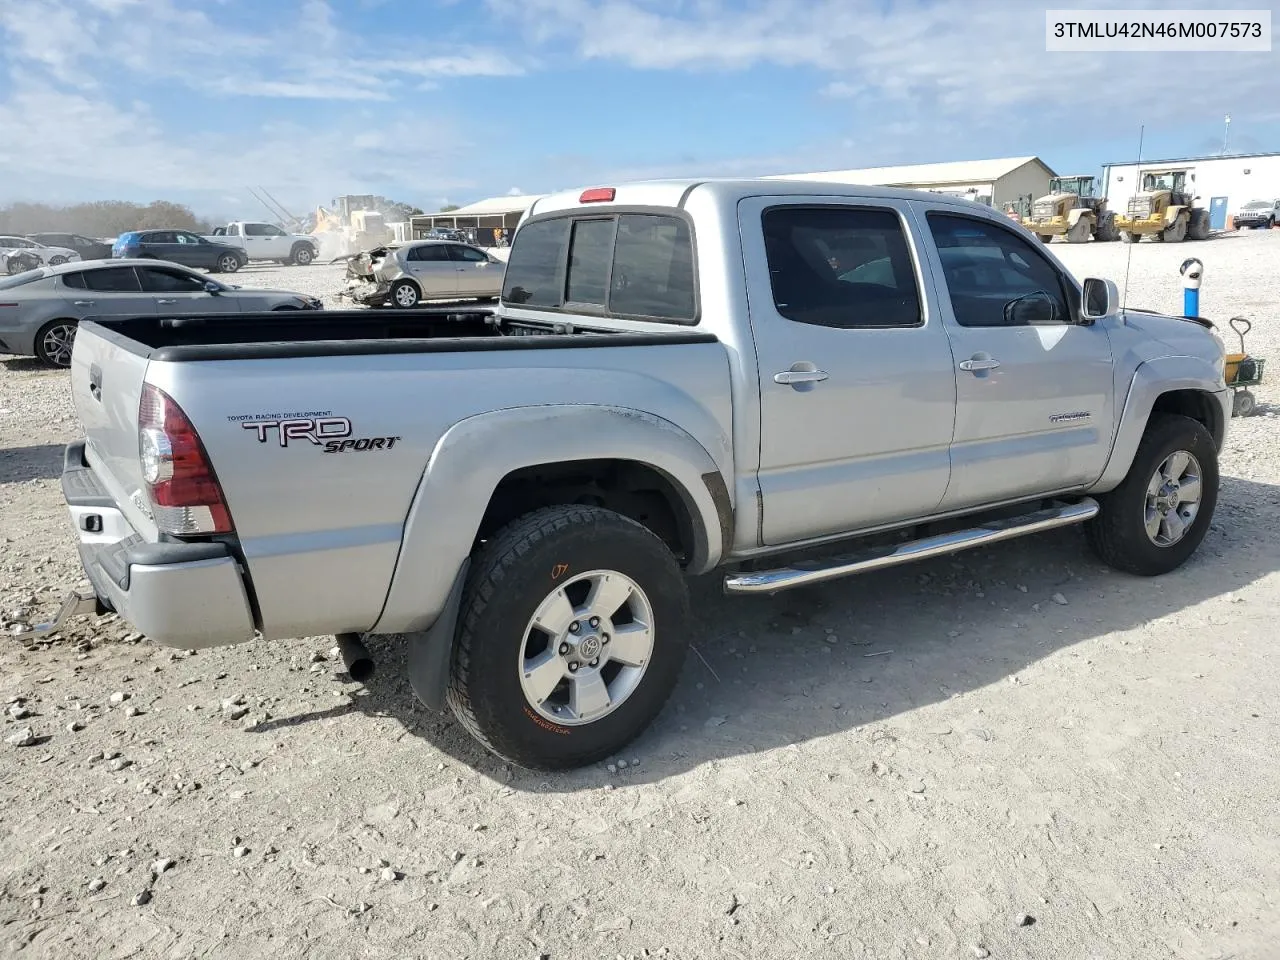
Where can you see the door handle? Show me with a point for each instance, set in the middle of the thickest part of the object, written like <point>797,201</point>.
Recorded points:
<point>166,301</point>
<point>979,363</point>
<point>85,303</point>
<point>800,376</point>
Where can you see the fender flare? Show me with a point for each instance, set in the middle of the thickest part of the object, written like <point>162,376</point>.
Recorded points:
<point>472,457</point>
<point>1151,380</point>
<point>1073,216</point>
<point>1171,213</point>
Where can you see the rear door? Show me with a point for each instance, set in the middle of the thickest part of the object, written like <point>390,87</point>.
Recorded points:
<point>178,292</point>
<point>195,250</point>
<point>477,276</point>
<point>163,245</point>
<point>109,292</point>
<point>433,268</point>
<point>1034,385</point>
<point>856,378</point>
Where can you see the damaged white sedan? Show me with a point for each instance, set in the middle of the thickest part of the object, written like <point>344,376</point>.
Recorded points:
<point>406,274</point>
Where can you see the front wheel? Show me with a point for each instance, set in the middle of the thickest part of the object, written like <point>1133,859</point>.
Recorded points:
<point>1155,519</point>
<point>303,255</point>
<point>54,343</point>
<point>228,263</point>
<point>571,637</point>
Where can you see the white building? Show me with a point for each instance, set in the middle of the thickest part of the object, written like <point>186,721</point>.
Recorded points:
<point>1223,184</point>
<point>993,182</point>
<point>483,216</point>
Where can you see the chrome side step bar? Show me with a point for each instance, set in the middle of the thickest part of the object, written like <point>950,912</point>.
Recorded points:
<point>806,572</point>
<point>75,605</point>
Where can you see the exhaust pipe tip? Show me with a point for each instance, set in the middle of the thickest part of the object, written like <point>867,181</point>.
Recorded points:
<point>355,657</point>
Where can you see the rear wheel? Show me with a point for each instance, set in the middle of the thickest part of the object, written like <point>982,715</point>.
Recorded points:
<point>1107,232</point>
<point>1243,403</point>
<point>54,343</point>
<point>1155,519</point>
<point>1045,237</point>
<point>404,294</point>
<point>1128,237</point>
<point>571,637</point>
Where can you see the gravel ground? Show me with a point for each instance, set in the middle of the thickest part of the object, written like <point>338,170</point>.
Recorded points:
<point>1012,753</point>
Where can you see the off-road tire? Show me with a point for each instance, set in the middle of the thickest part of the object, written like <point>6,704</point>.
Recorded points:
<point>1045,237</point>
<point>1199,228</point>
<point>1128,237</point>
<point>1117,534</point>
<point>509,577</point>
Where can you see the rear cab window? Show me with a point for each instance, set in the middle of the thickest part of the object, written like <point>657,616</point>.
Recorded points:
<point>631,265</point>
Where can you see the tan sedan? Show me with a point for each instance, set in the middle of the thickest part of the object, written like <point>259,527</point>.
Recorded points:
<point>403,275</point>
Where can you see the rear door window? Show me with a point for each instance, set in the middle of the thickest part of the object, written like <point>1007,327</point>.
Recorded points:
<point>160,236</point>
<point>429,253</point>
<point>112,280</point>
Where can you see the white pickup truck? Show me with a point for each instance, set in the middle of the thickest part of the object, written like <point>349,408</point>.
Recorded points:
<point>266,241</point>
<point>790,381</point>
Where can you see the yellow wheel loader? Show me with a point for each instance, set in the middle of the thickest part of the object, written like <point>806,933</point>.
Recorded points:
<point>1163,210</point>
<point>1071,210</point>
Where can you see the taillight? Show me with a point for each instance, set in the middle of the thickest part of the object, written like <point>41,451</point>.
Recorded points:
<point>185,496</point>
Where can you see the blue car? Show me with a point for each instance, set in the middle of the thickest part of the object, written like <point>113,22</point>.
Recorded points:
<point>180,246</point>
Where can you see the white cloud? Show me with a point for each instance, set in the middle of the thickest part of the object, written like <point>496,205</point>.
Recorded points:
<point>965,63</point>
<point>53,135</point>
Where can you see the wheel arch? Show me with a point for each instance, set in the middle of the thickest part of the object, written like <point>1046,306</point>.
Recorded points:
<point>489,468</point>
<point>1187,386</point>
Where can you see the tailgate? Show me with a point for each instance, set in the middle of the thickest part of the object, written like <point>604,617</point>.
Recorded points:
<point>106,386</point>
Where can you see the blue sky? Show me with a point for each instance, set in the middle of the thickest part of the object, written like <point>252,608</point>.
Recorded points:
<point>434,101</point>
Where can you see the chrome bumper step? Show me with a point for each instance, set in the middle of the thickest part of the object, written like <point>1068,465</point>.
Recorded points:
<point>806,572</point>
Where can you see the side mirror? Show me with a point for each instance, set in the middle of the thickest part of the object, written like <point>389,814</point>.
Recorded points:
<point>211,287</point>
<point>1101,298</point>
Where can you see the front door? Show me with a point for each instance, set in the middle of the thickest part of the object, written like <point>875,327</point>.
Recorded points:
<point>1217,213</point>
<point>1034,393</point>
<point>477,277</point>
<point>435,271</point>
<point>179,292</point>
<point>856,380</point>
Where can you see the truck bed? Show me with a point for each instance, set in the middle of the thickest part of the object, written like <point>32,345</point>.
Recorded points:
<point>286,334</point>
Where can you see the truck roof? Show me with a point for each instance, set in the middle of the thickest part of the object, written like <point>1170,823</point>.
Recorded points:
<point>672,193</point>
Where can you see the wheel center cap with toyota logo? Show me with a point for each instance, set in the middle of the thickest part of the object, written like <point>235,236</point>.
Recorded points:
<point>589,647</point>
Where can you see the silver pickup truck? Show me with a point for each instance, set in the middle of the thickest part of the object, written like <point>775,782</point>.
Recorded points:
<point>680,376</point>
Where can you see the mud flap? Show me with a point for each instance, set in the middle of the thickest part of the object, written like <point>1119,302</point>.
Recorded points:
<point>431,650</point>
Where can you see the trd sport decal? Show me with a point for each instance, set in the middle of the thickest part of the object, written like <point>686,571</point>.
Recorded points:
<point>333,434</point>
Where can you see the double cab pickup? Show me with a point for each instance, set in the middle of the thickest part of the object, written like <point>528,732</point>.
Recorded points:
<point>679,377</point>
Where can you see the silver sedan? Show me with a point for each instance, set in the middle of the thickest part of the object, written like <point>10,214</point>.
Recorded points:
<point>403,275</point>
<point>39,309</point>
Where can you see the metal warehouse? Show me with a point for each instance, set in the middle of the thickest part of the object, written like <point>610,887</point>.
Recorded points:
<point>1006,180</point>
<point>1223,184</point>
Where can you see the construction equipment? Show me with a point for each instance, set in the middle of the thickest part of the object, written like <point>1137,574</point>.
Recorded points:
<point>1163,210</point>
<point>1072,210</point>
<point>349,228</point>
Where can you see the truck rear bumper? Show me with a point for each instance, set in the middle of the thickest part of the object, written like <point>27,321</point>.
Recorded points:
<point>188,595</point>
